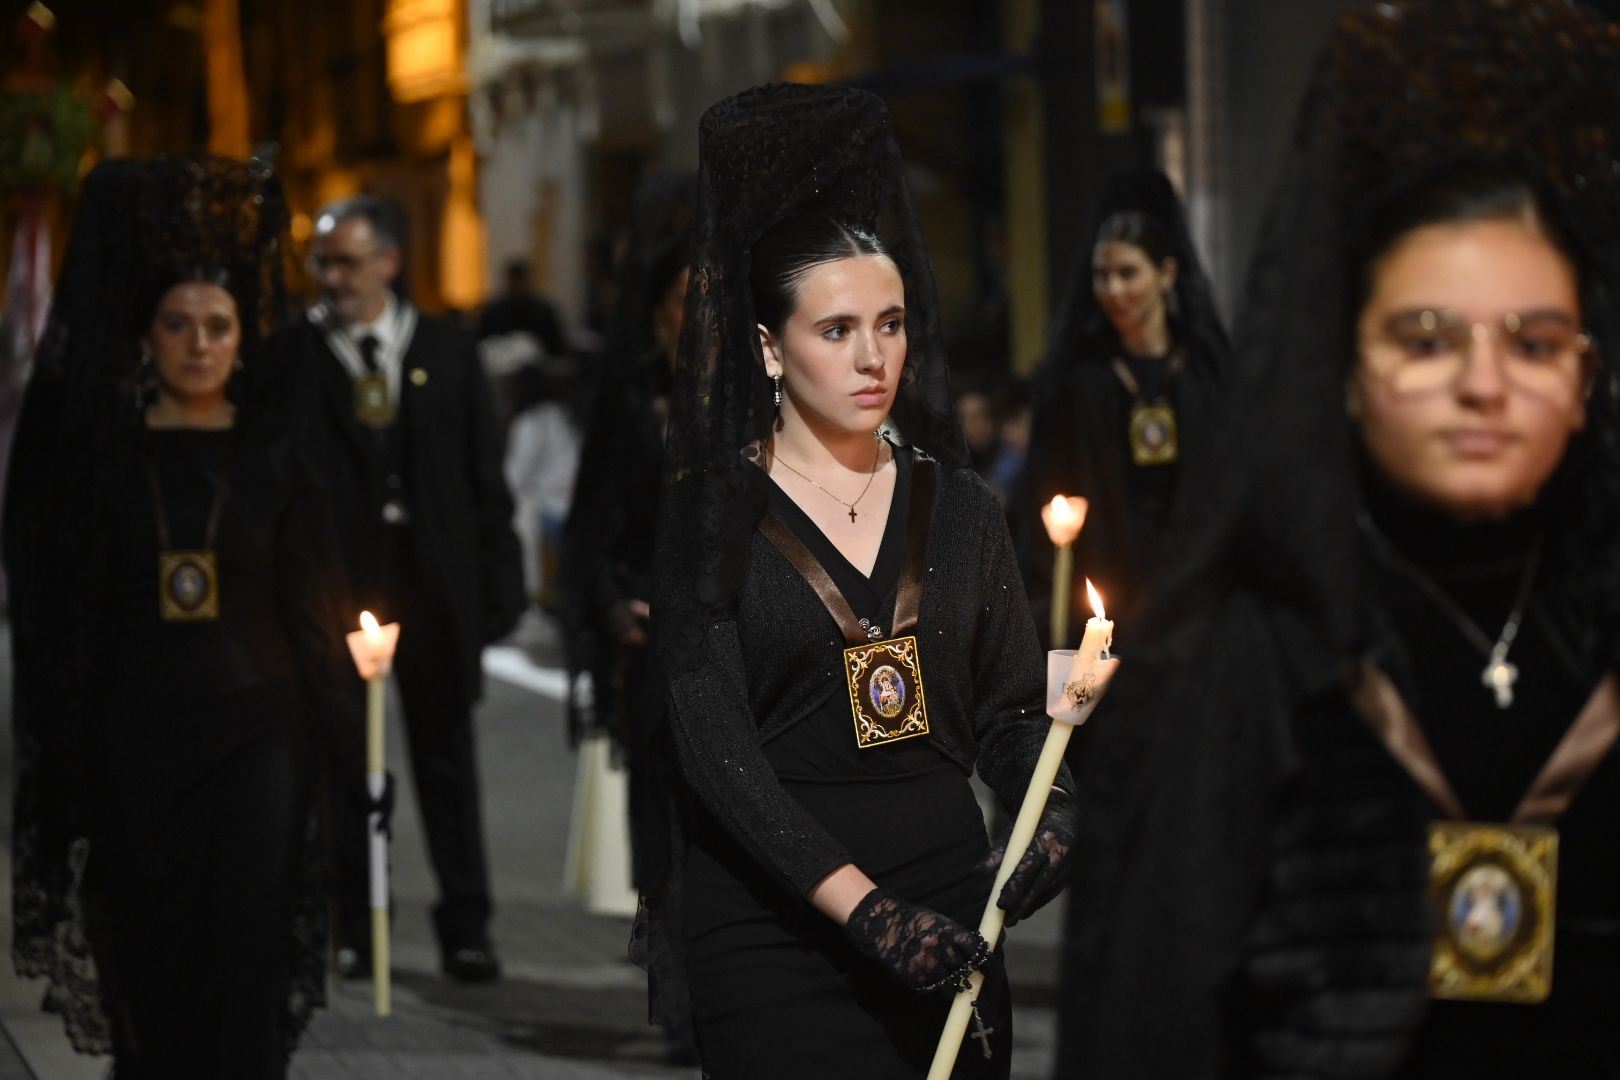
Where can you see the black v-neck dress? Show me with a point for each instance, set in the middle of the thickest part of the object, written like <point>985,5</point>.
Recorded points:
<point>772,978</point>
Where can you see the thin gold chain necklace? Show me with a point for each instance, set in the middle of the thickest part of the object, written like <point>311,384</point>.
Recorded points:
<point>850,506</point>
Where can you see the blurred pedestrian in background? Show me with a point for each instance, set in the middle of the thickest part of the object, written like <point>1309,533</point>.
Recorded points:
<point>995,423</point>
<point>535,379</point>
<point>394,407</point>
<point>612,524</point>
<point>522,310</point>
<point>183,644</point>
<point>543,445</point>
<point>1125,393</point>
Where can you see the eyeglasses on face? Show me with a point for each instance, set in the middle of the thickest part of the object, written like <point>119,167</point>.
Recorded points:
<point>345,261</point>
<point>1425,350</point>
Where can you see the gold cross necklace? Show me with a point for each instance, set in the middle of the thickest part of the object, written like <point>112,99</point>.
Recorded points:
<point>876,457</point>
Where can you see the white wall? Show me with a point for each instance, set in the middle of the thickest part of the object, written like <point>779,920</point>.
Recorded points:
<point>531,188</point>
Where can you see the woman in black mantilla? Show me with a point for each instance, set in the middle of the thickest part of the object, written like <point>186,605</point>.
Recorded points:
<point>1420,595</point>
<point>609,549</point>
<point>164,880</point>
<point>832,856</point>
<point>1126,392</point>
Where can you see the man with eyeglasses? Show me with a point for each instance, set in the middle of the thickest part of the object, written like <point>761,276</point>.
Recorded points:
<point>397,415</point>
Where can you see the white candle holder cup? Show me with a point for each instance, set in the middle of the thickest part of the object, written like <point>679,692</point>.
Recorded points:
<point>373,651</point>
<point>1074,686</point>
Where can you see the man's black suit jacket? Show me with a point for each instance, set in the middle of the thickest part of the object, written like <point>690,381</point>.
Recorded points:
<point>461,510</point>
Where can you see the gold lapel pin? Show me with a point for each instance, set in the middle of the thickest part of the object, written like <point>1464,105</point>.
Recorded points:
<point>419,376</point>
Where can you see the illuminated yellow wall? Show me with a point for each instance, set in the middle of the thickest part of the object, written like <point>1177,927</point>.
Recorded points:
<point>426,49</point>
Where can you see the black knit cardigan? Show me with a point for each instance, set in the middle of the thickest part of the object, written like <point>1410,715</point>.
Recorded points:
<point>779,658</point>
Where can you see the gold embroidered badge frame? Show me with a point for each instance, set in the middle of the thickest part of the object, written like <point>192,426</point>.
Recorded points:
<point>886,692</point>
<point>1153,434</point>
<point>1494,889</point>
<point>373,406</point>
<point>188,586</point>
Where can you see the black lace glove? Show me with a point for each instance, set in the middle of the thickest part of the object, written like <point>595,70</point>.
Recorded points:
<point>923,949</point>
<point>1043,871</point>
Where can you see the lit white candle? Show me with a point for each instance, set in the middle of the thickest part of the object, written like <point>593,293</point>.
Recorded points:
<point>1099,629</point>
<point>1075,682</point>
<point>372,647</point>
<point>1063,517</point>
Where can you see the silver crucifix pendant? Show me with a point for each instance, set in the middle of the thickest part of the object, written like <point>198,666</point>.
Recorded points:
<point>1499,677</point>
<point>982,1032</point>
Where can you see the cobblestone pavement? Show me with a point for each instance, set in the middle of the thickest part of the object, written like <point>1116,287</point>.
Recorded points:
<point>570,1007</point>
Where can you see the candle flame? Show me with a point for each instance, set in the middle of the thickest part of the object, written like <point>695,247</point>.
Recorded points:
<point>368,622</point>
<point>1096,600</point>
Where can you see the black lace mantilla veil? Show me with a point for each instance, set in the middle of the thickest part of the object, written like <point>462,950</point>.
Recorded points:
<point>136,223</point>
<point>660,243</point>
<point>765,155</point>
<point>1402,90</point>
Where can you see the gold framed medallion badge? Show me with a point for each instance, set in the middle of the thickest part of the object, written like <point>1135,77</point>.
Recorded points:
<point>373,405</point>
<point>886,692</point>
<point>1494,888</point>
<point>1153,435</point>
<point>188,586</point>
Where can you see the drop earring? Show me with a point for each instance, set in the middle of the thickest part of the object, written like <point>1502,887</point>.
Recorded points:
<point>776,393</point>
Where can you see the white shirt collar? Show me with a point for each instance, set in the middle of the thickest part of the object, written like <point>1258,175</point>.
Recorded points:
<point>384,327</point>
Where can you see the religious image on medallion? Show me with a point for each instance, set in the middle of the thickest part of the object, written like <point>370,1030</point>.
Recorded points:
<point>1485,912</point>
<point>888,692</point>
<point>187,586</point>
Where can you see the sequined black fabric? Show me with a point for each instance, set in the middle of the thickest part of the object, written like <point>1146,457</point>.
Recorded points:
<point>983,673</point>
<point>774,662</point>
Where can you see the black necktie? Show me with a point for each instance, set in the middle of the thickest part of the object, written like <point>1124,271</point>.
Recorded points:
<point>368,352</point>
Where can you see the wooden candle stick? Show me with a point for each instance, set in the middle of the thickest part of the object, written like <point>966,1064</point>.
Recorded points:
<point>1075,682</point>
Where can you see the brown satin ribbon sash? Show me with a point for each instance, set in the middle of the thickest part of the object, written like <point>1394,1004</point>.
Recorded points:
<point>884,676</point>
<point>1573,761</point>
<point>908,600</point>
<point>1381,706</point>
<point>1577,756</point>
